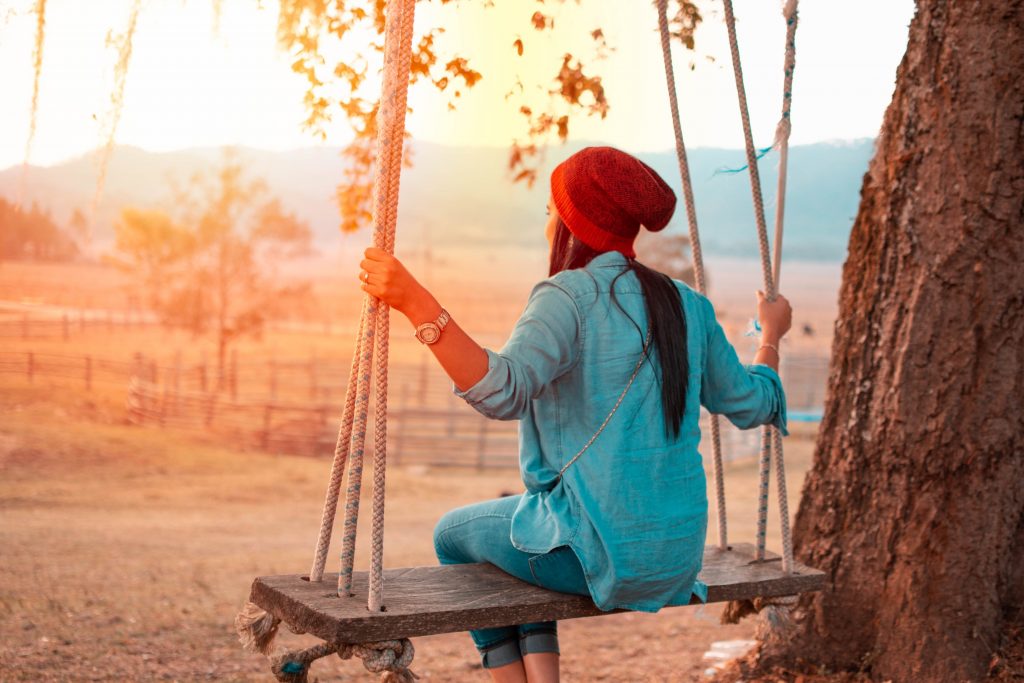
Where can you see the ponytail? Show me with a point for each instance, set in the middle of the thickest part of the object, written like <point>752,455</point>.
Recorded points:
<point>664,308</point>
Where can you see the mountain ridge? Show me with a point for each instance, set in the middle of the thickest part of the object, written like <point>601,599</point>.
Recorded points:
<point>463,195</point>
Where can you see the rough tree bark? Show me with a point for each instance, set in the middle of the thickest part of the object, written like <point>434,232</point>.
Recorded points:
<point>915,502</point>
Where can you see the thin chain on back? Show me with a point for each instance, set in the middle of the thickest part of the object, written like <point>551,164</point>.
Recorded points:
<point>636,371</point>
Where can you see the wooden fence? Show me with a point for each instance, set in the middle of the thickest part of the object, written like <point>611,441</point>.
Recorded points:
<point>65,325</point>
<point>83,370</point>
<point>293,406</point>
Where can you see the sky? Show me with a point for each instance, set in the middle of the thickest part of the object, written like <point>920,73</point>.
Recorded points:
<point>190,85</point>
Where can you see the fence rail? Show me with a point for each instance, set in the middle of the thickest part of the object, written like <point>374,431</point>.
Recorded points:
<point>293,407</point>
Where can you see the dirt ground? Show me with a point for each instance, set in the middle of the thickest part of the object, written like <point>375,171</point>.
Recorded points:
<point>127,552</point>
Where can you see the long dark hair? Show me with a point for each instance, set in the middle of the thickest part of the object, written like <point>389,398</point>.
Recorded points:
<point>664,314</point>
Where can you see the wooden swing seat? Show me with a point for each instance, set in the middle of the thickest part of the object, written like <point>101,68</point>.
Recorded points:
<point>424,601</point>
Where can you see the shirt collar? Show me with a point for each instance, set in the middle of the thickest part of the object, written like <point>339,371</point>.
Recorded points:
<point>609,259</point>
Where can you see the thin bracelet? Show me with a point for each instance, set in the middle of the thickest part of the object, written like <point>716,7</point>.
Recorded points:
<point>773,347</point>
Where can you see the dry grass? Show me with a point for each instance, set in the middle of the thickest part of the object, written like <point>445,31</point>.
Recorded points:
<point>127,551</point>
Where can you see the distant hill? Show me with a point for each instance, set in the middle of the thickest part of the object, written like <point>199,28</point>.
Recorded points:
<point>462,195</point>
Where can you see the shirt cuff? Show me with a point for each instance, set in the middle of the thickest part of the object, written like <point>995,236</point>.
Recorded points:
<point>778,413</point>
<point>493,382</point>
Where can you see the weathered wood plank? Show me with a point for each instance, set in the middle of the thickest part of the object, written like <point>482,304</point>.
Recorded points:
<point>427,600</point>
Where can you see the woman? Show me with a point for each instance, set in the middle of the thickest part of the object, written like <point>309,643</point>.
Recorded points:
<point>606,369</point>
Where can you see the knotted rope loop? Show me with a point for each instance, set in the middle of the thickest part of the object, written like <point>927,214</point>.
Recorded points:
<point>390,658</point>
<point>293,666</point>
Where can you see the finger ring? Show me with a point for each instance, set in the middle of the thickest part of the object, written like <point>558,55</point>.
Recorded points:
<point>366,277</point>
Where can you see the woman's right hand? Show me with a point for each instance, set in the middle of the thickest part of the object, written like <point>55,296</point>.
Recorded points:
<point>775,317</point>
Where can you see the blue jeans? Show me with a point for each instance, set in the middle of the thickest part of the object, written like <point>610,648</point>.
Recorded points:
<point>481,532</point>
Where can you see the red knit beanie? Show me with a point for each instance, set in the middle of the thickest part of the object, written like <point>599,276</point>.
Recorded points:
<point>604,195</point>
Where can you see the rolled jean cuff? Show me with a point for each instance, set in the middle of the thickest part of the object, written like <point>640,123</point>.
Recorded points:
<point>502,653</point>
<point>536,641</point>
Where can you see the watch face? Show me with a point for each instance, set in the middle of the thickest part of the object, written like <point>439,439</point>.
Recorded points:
<point>428,333</point>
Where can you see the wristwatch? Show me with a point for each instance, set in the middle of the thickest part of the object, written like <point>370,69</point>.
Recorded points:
<point>429,333</point>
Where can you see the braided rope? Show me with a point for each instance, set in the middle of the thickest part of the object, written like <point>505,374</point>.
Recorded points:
<point>771,439</point>
<point>341,452</point>
<point>390,658</point>
<point>391,118</point>
<point>390,138</point>
<point>782,130</point>
<point>358,447</point>
<point>762,234</point>
<point>695,249</point>
<point>748,139</point>
<point>764,468</point>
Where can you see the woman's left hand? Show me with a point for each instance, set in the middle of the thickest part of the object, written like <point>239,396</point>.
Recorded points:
<point>383,276</point>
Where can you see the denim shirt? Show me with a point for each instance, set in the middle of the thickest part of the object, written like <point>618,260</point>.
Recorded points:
<point>634,506</point>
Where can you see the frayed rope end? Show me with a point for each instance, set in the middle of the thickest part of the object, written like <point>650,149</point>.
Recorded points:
<point>735,610</point>
<point>256,628</point>
<point>777,618</point>
<point>776,611</point>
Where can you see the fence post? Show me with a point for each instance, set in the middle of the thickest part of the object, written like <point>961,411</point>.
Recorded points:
<point>272,367</point>
<point>481,445</point>
<point>233,379</point>
<point>88,373</point>
<point>65,324</point>
<point>265,441</point>
<point>312,376</point>
<point>132,401</point>
<point>211,405</point>
<point>164,398</point>
<point>423,379</point>
<point>30,366</point>
<point>451,415</point>
<point>397,430</point>
<point>176,383</point>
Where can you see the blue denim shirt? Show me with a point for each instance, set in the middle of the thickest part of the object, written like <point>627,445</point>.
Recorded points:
<point>634,506</point>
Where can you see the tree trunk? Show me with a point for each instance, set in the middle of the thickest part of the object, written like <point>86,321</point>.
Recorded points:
<point>915,503</point>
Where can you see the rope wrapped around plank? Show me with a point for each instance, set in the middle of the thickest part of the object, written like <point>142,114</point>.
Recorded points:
<point>257,629</point>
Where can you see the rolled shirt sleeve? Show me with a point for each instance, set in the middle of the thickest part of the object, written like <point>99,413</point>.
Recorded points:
<point>544,344</point>
<point>748,395</point>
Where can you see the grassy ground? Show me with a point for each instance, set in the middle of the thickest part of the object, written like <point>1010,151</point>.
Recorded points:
<point>127,552</point>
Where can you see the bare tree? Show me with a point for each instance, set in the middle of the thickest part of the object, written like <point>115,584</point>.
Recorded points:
<point>212,267</point>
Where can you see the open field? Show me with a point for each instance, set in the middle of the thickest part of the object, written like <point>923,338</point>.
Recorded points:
<point>127,552</point>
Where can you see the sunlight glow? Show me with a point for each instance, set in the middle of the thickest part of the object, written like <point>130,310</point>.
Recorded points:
<point>191,86</point>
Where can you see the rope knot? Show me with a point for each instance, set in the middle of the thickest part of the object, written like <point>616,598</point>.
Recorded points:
<point>293,666</point>
<point>389,658</point>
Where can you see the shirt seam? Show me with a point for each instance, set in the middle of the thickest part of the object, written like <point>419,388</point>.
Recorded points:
<point>580,324</point>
